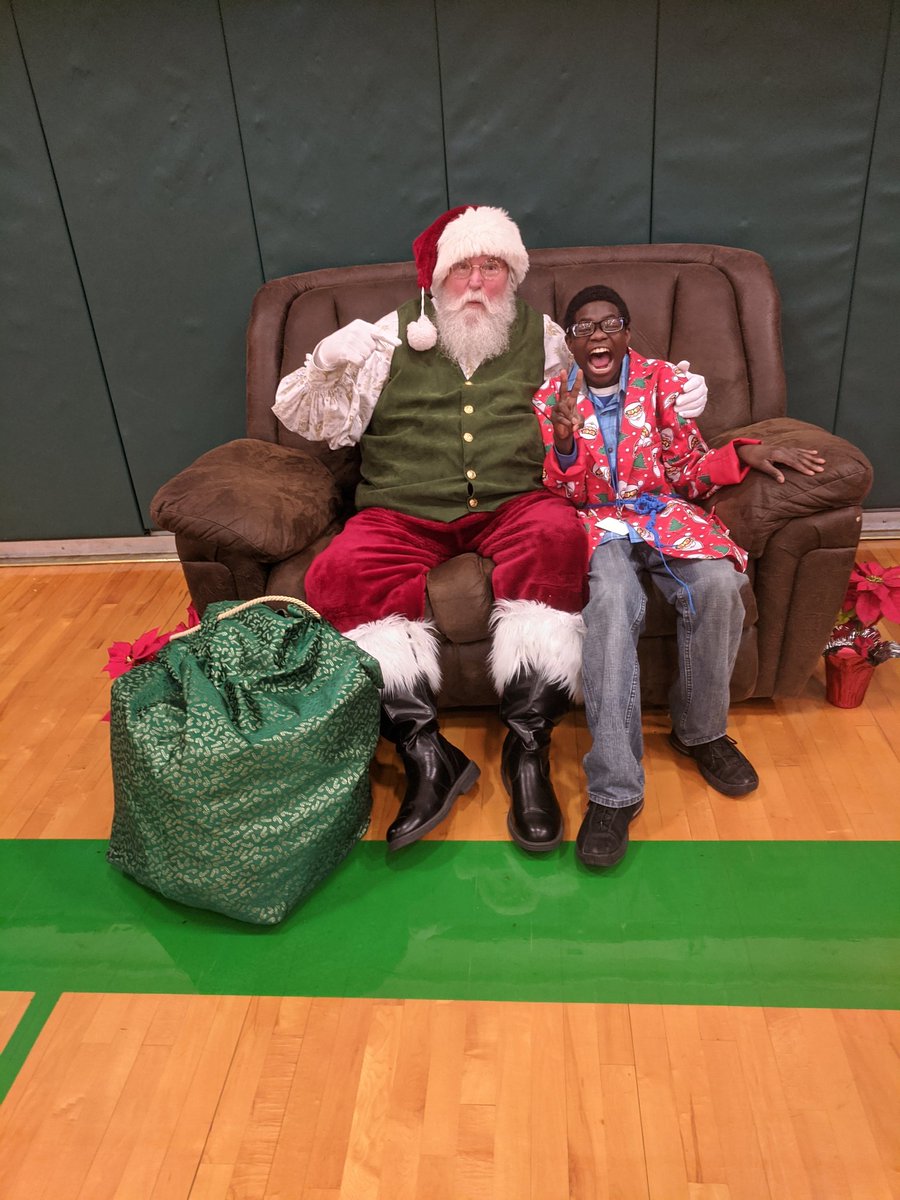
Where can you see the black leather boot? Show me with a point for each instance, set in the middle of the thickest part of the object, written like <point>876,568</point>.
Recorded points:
<point>436,772</point>
<point>530,707</point>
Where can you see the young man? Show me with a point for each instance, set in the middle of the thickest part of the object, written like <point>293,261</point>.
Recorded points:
<point>616,446</point>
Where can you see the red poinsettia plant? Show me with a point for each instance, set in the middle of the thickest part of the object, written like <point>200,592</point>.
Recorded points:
<point>873,593</point>
<point>122,656</point>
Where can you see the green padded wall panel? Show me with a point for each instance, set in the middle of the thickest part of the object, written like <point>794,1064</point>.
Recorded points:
<point>339,106</point>
<point>173,155</point>
<point>764,122</point>
<point>136,105</point>
<point>869,404</point>
<point>544,121</point>
<point>62,474</point>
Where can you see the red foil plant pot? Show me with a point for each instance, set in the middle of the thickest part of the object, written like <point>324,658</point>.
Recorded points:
<point>847,676</point>
<point>856,647</point>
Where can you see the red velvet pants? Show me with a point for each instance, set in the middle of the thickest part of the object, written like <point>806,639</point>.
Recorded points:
<point>377,565</point>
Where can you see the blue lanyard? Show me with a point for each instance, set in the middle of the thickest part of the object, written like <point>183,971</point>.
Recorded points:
<point>648,503</point>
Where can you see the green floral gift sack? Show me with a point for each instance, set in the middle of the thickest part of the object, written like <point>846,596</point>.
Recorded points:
<point>240,759</point>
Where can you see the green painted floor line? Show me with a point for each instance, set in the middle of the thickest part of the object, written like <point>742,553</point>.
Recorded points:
<point>799,924</point>
<point>805,924</point>
<point>24,1036</point>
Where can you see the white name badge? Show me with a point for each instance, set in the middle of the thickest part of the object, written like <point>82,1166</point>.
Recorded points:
<point>613,525</point>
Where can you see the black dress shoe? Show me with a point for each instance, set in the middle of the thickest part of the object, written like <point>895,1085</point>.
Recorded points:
<point>721,764</point>
<point>603,837</point>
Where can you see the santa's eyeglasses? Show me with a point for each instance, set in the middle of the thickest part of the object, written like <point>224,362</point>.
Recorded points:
<point>489,269</point>
<point>585,328</point>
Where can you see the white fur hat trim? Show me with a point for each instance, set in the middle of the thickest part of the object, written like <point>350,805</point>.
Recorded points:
<point>479,231</point>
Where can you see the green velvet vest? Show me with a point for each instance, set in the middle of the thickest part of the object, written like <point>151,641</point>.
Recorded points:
<point>440,446</point>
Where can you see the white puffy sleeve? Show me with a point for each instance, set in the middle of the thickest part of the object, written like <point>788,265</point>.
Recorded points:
<point>557,357</point>
<point>335,406</point>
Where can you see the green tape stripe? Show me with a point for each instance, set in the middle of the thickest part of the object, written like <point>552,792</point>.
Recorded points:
<point>23,1038</point>
<point>806,924</point>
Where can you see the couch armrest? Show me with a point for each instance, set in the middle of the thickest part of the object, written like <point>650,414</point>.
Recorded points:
<point>759,506</point>
<point>250,497</point>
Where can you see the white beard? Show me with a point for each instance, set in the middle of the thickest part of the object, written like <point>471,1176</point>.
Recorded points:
<point>471,336</point>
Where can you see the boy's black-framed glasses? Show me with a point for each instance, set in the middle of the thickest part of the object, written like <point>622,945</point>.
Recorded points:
<point>585,328</point>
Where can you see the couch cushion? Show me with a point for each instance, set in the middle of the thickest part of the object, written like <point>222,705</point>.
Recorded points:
<point>678,310</point>
<point>459,597</point>
<point>250,497</point>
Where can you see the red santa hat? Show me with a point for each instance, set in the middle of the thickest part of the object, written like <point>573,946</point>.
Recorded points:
<point>464,232</point>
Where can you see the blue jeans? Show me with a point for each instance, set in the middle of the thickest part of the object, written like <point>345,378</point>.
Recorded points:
<point>708,641</point>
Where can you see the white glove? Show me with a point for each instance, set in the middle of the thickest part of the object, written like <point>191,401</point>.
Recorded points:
<point>351,345</point>
<point>692,400</point>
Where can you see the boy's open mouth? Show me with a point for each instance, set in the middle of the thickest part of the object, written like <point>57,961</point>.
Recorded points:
<point>600,359</point>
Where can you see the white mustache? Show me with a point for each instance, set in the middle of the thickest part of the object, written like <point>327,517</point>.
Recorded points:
<point>471,296</point>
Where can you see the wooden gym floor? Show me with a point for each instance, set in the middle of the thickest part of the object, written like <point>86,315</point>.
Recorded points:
<point>714,1019</point>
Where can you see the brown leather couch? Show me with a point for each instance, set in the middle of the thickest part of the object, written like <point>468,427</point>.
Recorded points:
<point>250,516</point>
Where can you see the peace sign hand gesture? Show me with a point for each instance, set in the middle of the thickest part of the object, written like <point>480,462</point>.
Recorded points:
<point>564,415</point>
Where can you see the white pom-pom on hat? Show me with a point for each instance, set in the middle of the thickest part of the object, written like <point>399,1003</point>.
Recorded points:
<point>421,333</point>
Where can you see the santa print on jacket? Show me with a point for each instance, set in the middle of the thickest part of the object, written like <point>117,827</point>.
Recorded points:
<point>659,453</point>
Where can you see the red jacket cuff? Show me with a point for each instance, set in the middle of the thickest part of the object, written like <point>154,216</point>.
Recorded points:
<point>725,467</point>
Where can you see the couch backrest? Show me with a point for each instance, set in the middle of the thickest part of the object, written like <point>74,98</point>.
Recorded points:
<point>714,305</point>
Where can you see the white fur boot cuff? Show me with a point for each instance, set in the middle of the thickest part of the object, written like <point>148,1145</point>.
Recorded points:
<point>539,638</point>
<point>407,652</point>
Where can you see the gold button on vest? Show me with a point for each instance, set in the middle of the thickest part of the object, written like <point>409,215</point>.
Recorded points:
<point>468,437</point>
<point>473,503</point>
<point>469,383</point>
<point>468,409</point>
<point>470,474</point>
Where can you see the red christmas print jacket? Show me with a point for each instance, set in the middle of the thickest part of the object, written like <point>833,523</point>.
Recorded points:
<point>659,454</point>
